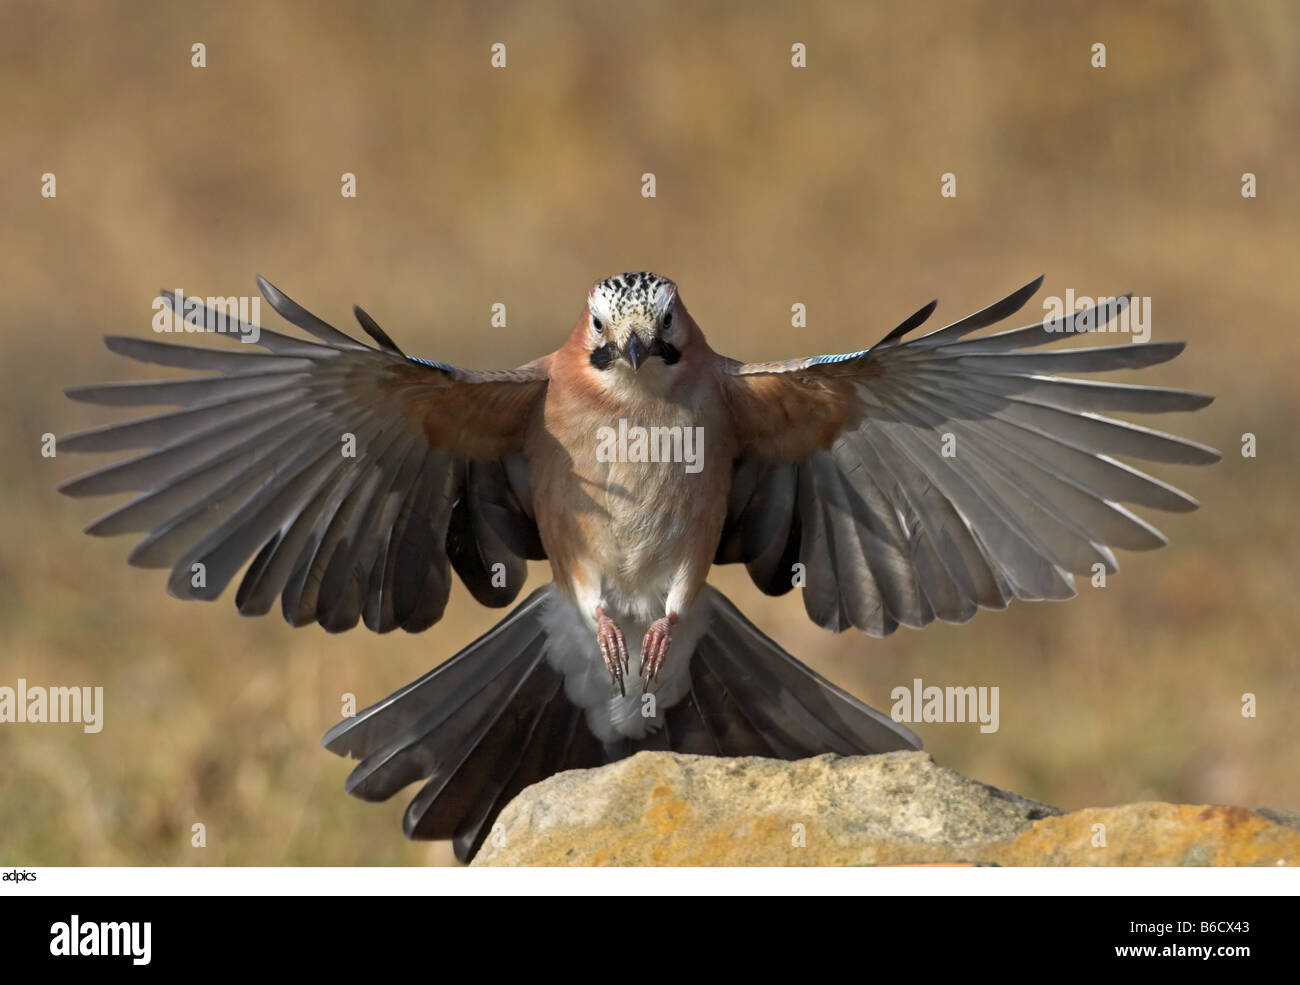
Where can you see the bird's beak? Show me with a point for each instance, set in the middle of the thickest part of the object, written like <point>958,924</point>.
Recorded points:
<point>634,351</point>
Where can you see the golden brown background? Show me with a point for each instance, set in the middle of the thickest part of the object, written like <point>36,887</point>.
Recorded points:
<point>522,185</point>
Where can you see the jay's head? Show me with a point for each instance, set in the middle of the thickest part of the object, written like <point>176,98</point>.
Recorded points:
<point>636,330</point>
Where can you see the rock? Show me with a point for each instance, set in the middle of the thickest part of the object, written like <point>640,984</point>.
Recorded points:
<point>660,808</point>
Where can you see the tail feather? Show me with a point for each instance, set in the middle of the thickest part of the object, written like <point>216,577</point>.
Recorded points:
<point>361,734</point>
<point>535,756</point>
<point>729,728</point>
<point>428,728</point>
<point>465,791</point>
<point>463,808</point>
<point>794,707</point>
<point>687,730</point>
<point>495,719</point>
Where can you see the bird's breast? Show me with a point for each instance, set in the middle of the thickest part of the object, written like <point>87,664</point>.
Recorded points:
<point>633,492</point>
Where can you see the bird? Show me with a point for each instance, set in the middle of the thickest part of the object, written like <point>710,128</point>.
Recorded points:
<point>920,479</point>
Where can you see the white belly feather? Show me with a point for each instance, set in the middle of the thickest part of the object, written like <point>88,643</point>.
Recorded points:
<point>572,650</point>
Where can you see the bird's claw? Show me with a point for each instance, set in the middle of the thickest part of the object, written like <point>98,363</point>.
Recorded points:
<point>654,648</point>
<point>613,648</point>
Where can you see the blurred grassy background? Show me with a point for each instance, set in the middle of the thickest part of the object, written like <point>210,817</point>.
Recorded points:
<point>522,186</point>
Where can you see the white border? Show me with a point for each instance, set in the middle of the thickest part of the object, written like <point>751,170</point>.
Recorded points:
<point>858,881</point>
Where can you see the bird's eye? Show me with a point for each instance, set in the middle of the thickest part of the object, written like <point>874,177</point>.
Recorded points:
<point>598,326</point>
<point>668,319</point>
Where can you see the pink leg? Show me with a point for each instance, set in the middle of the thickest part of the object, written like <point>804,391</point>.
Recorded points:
<point>613,648</point>
<point>655,647</point>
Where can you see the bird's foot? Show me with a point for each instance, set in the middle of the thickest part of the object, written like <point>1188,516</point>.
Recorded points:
<point>655,647</point>
<point>613,647</point>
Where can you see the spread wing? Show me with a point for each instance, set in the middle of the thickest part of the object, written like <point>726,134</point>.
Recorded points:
<point>354,476</point>
<point>922,479</point>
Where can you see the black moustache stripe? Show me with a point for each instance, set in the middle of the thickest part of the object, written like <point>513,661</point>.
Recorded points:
<point>666,352</point>
<point>604,357</point>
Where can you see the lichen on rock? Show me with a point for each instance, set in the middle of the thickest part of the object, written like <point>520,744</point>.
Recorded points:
<point>660,808</point>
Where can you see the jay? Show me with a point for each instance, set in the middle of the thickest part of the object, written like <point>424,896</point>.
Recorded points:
<point>919,479</point>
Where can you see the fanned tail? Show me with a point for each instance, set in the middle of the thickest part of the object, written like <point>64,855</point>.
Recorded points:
<point>495,719</point>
